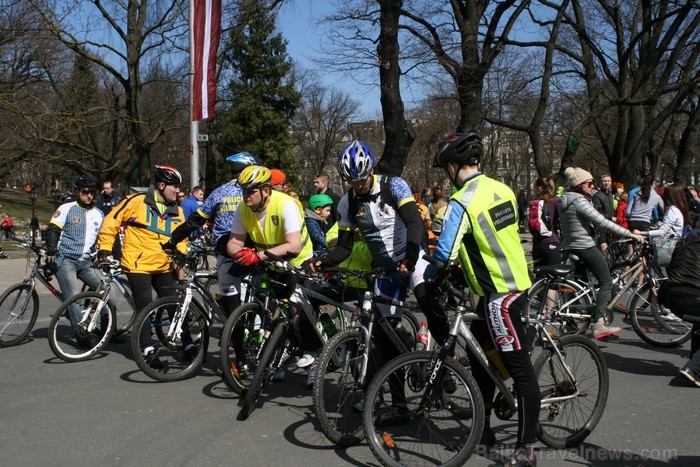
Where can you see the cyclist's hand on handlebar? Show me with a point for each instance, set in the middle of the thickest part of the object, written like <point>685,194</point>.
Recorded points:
<point>638,238</point>
<point>317,263</point>
<point>104,255</point>
<point>168,246</point>
<point>246,256</point>
<point>406,267</point>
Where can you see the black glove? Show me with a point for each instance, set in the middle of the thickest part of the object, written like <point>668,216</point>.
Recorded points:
<point>51,251</point>
<point>320,262</point>
<point>103,254</point>
<point>168,246</point>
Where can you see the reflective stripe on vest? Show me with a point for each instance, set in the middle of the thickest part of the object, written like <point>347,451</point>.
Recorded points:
<point>272,234</point>
<point>493,257</point>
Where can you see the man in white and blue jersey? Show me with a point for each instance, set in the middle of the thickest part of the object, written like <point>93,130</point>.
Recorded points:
<point>70,237</point>
<point>220,207</point>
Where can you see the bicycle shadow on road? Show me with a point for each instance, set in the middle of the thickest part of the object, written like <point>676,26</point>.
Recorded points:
<point>603,457</point>
<point>640,366</point>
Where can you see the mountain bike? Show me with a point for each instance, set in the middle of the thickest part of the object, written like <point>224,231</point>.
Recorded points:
<point>281,345</point>
<point>178,327</point>
<point>98,315</point>
<point>248,327</point>
<point>19,304</point>
<point>438,415</point>
<point>348,362</point>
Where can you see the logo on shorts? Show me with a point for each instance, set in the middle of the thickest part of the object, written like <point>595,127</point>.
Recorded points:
<point>505,340</point>
<point>275,220</point>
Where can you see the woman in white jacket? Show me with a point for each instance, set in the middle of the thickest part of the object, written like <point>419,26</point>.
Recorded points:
<point>676,214</point>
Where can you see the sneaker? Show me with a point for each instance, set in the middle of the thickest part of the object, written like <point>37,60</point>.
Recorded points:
<point>670,317</point>
<point>692,375</point>
<point>152,360</point>
<point>312,377</point>
<point>488,438</point>
<point>393,416</point>
<point>306,360</point>
<point>519,459</point>
<point>279,375</point>
<point>600,329</point>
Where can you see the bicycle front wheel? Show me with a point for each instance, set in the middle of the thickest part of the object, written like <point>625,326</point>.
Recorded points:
<point>338,393</point>
<point>571,406</point>
<point>165,350</point>
<point>19,308</point>
<point>269,363</point>
<point>241,345</point>
<point>655,323</point>
<point>400,431</point>
<point>90,329</point>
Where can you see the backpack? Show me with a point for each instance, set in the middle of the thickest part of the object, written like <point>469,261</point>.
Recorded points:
<point>538,221</point>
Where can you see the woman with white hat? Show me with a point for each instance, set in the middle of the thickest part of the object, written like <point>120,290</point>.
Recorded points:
<point>579,219</point>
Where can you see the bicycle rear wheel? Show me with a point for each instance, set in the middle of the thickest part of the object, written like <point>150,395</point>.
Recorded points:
<point>269,363</point>
<point>654,323</point>
<point>546,303</point>
<point>95,322</point>
<point>19,308</point>
<point>446,432</point>
<point>241,345</point>
<point>338,394</point>
<point>566,423</point>
<point>168,354</point>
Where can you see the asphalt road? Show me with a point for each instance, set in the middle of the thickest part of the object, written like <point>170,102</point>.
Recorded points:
<point>106,412</point>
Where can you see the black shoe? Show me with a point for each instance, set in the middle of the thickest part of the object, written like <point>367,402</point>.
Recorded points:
<point>393,416</point>
<point>117,339</point>
<point>190,353</point>
<point>519,459</point>
<point>488,438</point>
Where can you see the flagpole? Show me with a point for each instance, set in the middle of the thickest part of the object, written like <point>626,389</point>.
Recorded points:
<point>194,126</point>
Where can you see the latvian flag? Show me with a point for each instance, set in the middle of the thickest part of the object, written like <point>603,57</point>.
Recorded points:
<point>207,32</point>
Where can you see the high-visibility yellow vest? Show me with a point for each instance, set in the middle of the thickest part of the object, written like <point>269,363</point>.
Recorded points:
<point>272,232</point>
<point>491,255</point>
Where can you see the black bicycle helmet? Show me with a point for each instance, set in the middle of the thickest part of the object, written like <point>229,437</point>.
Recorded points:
<point>241,160</point>
<point>167,174</point>
<point>84,181</point>
<point>463,148</point>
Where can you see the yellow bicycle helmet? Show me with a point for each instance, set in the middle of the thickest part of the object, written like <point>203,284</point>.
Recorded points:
<point>254,176</point>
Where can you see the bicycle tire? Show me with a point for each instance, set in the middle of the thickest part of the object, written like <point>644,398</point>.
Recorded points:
<point>564,290</point>
<point>125,308</point>
<point>16,324</point>
<point>78,345</point>
<point>336,391</point>
<point>583,357</point>
<point>269,361</point>
<point>169,361</point>
<point>410,322</point>
<point>243,333</point>
<point>424,439</point>
<point>647,317</point>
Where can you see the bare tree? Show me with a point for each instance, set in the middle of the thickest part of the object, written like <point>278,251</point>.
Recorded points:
<point>319,126</point>
<point>123,39</point>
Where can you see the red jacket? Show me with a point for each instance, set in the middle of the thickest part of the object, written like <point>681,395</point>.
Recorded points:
<point>621,219</point>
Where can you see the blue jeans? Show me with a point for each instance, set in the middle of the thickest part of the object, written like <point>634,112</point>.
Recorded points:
<point>69,271</point>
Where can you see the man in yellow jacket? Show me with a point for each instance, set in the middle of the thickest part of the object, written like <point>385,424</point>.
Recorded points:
<point>148,219</point>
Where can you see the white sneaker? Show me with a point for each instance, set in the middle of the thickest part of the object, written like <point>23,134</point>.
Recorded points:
<point>670,317</point>
<point>312,377</point>
<point>306,360</point>
<point>600,329</point>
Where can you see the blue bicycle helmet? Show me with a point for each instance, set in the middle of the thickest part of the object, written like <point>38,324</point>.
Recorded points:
<point>356,161</point>
<point>241,160</point>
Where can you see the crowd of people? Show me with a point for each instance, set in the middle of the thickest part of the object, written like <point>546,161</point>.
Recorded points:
<point>382,222</point>
<point>583,220</point>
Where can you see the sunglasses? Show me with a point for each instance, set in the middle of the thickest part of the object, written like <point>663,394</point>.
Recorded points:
<point>85,191</point>
<point>589,183</point>
<point>250,191</point>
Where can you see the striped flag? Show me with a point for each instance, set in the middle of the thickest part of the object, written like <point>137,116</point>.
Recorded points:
<point>206,29</point>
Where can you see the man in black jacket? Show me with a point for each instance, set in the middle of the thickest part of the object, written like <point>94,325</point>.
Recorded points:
<point>681,294</point>
<point>603,203</point>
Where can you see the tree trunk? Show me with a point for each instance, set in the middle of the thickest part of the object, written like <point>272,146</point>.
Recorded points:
<point>398,133</point>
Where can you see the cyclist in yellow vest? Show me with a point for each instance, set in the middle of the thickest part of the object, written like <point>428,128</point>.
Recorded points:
<point>481,228</point>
